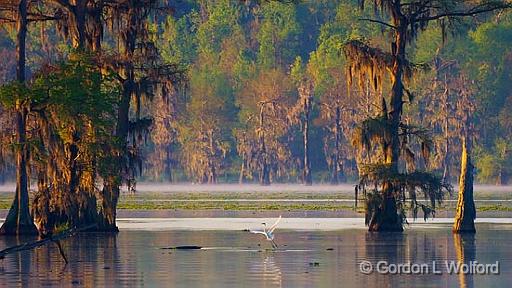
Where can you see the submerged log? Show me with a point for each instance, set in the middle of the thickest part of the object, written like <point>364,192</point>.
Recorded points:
<point>466,213</point>
<point>185,247</point>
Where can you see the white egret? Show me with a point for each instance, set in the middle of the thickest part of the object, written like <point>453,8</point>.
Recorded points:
<point>268,233</point>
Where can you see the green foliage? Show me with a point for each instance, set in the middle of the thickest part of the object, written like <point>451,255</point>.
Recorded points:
<point>211,97</point>
<point>239,54</point>
<point>78,94</point>
<point>78,104</point>
<point>327,62</point>
<point>14,92</point>
<point>222,22</point>
<point>297,71</point>
<point>428,44</point>
<point>494,165</point>
<point>205,130</point>
<point>277,35</point>
<point>178,41</point>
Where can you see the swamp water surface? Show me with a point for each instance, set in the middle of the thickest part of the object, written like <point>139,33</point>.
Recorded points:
<point>235,258</point>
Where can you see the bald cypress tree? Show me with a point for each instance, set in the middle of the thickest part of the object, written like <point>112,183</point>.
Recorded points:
<point>404,20</point>
<point>18,219</point>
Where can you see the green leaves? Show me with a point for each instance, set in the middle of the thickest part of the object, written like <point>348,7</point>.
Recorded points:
<point>222,22</point>
<point>14,92</point>
<point>277,34</point>
<point>78,92</point>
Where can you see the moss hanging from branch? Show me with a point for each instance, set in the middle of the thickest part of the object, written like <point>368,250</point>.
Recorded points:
<point>410,185</point>
<point>372,63</point>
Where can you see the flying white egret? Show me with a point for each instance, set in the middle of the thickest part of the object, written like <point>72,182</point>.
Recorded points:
<point>268,233</point>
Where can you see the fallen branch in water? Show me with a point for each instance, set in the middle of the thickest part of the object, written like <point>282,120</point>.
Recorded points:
<point>53,238</point>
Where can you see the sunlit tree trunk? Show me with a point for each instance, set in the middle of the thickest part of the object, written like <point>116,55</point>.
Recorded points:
<point>18,219</point>
<point>466,213</point>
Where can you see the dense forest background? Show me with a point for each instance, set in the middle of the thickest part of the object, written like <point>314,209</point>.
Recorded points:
<point>255,75</point>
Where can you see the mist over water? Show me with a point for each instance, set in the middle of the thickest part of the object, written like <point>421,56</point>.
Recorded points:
<point>163,187</point>
<point>242,188</point>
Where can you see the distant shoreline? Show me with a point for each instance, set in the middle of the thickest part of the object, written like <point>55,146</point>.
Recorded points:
<point>218,213</point>
<point>162,200</point>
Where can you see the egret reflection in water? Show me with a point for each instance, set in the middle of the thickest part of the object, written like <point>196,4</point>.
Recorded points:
<point>268,269</point>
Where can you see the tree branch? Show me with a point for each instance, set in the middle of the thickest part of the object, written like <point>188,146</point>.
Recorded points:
<point>39,17</point>
<point>470,12</point>
<point>51,238</point>
<point>378,21</point>
<point>64,3</point>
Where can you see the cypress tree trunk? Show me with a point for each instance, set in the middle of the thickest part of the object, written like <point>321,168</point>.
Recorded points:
<point>86,200</point>
<point>242,170</point>
<point>212,172</point>
<point>466,213</point>
<point>386,217</point>
<point>73,178</point>
<point>264,169</point>
<point>305,132</point>
<point>112,186</point>
<point>18,219</point>
<point>446,159</point>
<point>337,138</point>
<point>169,163</point>
<point>110,196</point>
<point>79,14</point>
<point>334,169</point>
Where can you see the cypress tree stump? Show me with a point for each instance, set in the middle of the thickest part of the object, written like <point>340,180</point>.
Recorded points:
<point>466,213</point>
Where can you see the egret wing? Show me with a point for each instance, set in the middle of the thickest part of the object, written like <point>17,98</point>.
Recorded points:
<point>273,227</point>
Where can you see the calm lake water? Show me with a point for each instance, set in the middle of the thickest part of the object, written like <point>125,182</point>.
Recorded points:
<point>241,259</point>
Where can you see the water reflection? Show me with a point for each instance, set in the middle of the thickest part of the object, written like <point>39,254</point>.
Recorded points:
<point>268,269</point>
<point>309,259</point>
<point>466,252</point>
